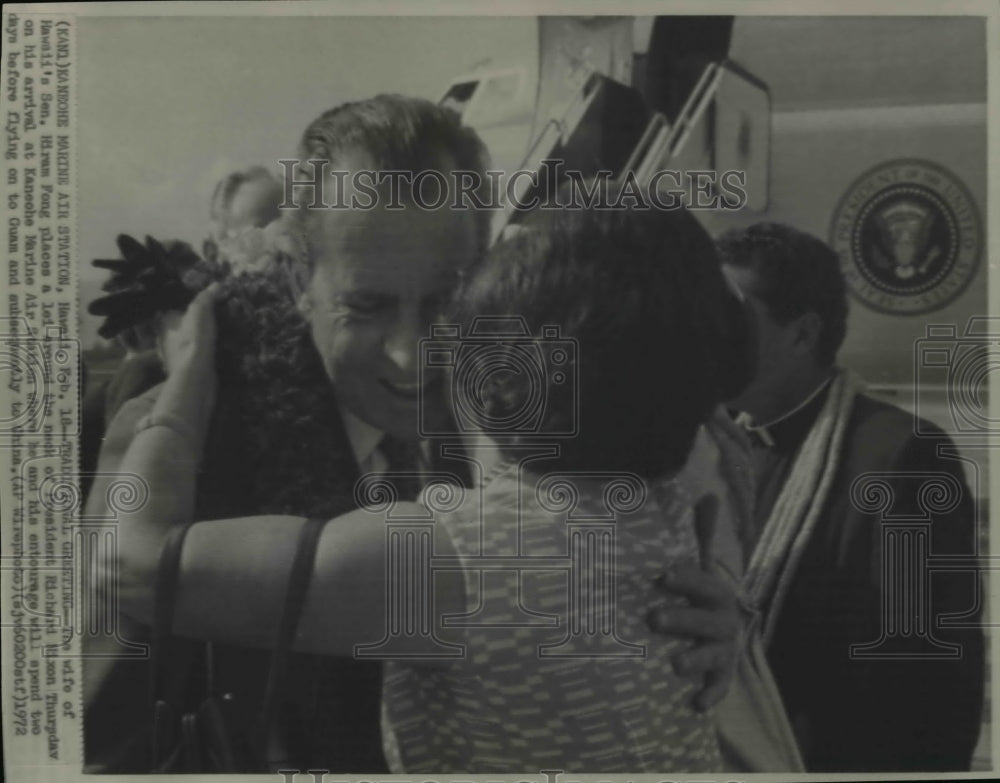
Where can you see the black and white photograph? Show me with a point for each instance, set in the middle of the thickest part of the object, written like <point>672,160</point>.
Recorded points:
<point>462,390</point>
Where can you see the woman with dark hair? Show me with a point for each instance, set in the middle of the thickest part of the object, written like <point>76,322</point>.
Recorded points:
<point>641,297</point>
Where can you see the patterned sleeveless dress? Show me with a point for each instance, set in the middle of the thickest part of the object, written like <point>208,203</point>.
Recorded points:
<point>559,670</point>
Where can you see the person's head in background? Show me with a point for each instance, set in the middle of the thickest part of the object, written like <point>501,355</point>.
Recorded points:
<point>374,280</point>
<point>642,295</point>
<point>242,200</point>
<point>793,282</point>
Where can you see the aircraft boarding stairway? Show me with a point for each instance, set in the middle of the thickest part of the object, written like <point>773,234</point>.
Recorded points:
<point>723,126</point>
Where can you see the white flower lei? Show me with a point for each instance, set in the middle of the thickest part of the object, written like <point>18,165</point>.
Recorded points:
<point>260,249</point>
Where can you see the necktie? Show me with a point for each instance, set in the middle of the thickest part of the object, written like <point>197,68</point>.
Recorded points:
<point>403,460</point>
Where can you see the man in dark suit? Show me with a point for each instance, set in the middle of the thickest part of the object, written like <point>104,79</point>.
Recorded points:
<point>368,288</point>
<point>870,680</point>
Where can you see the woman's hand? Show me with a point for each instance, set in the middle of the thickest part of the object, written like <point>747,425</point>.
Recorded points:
<point>188,337</point>
<point>187,341</point>
<point>166,449</point>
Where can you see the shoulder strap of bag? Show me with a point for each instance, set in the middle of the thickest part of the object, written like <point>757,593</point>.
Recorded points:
<point>298,584</point>
<point>164,600</point>
<point>166,597</point>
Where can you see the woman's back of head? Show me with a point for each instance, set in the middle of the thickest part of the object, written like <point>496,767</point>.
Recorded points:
<point>641,296</point>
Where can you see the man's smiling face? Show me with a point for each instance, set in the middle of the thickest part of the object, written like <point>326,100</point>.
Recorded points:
<point>380,279</point>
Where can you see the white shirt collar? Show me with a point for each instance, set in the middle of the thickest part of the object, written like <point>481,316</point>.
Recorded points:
<point>812,396</point>
<point>363,436</point>
<point>762,431</point>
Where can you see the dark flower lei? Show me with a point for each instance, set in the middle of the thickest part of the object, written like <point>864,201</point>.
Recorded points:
<point>147,280</point>
<point>276,443</point>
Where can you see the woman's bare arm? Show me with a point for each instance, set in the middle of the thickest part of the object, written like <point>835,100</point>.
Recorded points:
<point>165,451</point>
<point>234,573</point>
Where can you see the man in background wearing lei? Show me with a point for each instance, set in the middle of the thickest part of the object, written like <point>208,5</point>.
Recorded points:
<point>815,559</point>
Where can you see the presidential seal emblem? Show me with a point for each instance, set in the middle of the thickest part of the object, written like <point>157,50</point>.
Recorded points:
<point>909,237</point>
